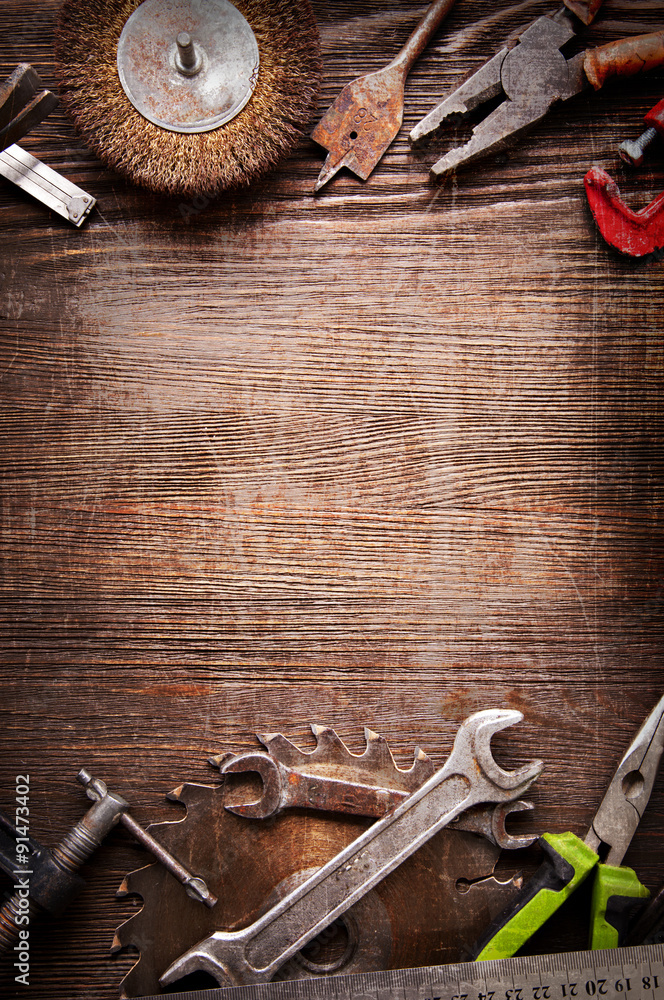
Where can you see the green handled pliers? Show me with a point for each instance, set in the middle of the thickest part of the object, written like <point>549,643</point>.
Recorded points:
<point>569,860</point>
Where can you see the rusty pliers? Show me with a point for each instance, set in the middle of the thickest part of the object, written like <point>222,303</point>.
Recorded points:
<point>531,76</point>
<point>288,787</point>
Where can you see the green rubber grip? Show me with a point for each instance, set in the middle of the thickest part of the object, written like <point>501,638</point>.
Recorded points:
<point>567,863</point>
<point>616,893</point>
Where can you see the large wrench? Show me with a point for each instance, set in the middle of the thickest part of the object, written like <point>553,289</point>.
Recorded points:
<point>292,788</point>
<point>469,776</point>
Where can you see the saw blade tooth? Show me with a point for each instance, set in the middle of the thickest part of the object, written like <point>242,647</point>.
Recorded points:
<point>124,935</point>
<point>123,889</point>
<point>379,756</point>
<point>328,744</point>
<point>184,795</point>
<point>421,768</point>
<point>377,753</point>
<point>135,883</point>
<point>119,941</point>
<point>281,748</point>
<point>219,759</point>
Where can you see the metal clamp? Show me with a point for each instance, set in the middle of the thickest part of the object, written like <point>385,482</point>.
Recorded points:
<point>53,881</point>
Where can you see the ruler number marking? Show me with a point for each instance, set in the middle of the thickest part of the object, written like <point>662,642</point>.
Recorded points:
<point>568,991</point>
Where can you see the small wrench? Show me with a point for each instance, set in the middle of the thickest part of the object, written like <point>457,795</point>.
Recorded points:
<point>469,776</point>
<point>289,788</point>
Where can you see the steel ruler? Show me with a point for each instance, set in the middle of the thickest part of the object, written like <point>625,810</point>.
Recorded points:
<point>620,974</point>
<point>48,186</point>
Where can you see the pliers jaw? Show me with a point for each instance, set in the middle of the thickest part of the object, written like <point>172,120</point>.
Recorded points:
<point>23,104</point>
<point>482,86</point>
<point>531,76</point>
<point>615,822</point>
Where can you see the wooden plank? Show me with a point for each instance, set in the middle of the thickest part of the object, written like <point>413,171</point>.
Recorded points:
<point>381,457</point>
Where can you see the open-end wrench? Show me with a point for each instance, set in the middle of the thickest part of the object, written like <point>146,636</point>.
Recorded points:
<point>469,776</point>
<point>287,787</point>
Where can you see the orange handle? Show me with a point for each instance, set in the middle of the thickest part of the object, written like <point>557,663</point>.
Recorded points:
<point>626,57</point>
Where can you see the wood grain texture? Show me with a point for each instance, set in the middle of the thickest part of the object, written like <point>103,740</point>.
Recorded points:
<point>382,457</point>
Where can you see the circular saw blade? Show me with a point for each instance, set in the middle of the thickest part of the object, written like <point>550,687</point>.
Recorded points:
<point>423,913</point>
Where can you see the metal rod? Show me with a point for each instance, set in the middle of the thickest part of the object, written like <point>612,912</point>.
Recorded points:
<point>194,885</point>
<point>188,61</point>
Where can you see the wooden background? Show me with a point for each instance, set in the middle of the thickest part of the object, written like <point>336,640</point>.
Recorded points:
<point>383,457</point>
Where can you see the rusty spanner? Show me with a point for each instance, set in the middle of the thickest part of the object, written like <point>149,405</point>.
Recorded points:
<point>469,776</point>
<point>292,788</point>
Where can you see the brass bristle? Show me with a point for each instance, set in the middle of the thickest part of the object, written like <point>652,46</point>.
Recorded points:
<point>231,156</point>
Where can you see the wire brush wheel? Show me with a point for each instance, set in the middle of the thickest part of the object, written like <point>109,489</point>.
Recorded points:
<point>258,136</point>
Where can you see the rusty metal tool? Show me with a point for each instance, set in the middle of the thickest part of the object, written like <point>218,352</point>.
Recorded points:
<point>189,123</point>
<point>531,77</point>
<point>194,885</point>
<point>287,787</point>
<point>368,112</point>
<point>46,879</point>
<point>469,776</point>
<point>24,102</point>
<point>430,908</point>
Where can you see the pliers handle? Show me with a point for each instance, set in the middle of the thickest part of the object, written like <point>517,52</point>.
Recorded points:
<point>569,860</point>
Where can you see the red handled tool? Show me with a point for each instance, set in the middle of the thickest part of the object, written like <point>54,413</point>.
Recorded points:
<point>632,233</point>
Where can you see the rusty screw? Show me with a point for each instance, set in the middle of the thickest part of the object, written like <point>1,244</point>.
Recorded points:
<point>633,150</point>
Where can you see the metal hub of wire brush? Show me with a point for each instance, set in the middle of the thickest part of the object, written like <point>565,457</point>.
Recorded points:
<point>188,65</point>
